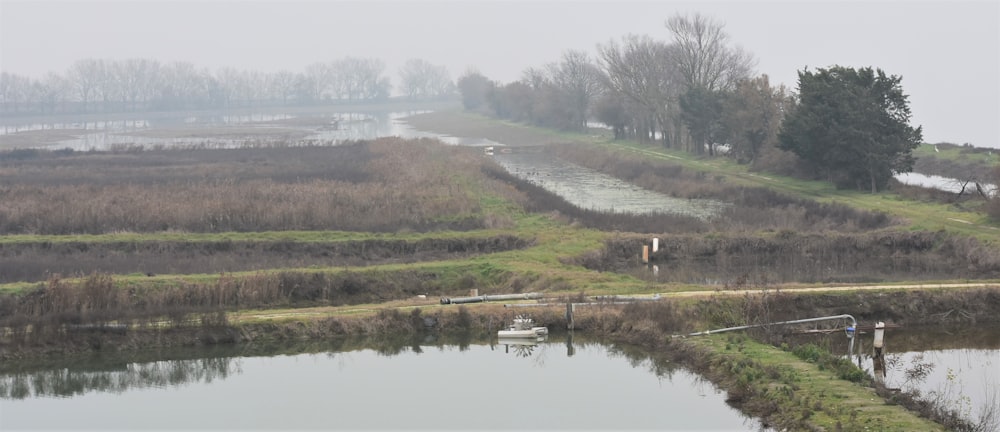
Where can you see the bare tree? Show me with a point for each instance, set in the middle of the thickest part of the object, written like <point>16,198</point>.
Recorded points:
<point>360,79</point>
<point>709,66</point>
<point>136,79</point>
<point>642,71</point>
<point>50,93</point>
<point>85,76</point>
<point>181,85</point>
<point>752,115</point>
<point>419,79</point>
<point>318,81</point>
<point>14,92</point>
<point>704,58</point>
<point>578,82</point>
<point>281,85</point>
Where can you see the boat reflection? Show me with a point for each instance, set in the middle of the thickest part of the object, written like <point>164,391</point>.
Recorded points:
<point>522,346</point>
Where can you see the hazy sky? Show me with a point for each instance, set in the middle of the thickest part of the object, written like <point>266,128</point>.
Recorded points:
<point>948,52</point>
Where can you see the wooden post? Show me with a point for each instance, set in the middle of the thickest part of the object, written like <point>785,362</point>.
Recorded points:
<point>569,316</point>
<point>645,253</point>
<point>878,359</point>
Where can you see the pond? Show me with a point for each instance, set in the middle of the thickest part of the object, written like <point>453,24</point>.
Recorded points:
<point>555,384</point>
<point>957,365</point>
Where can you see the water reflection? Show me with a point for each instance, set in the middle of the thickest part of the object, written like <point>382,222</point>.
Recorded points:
<point>438,386</point>
<point>221,130</point>
<point>957,365</point>
<point>589,189</point>
<point>72,381</point>
<point>943,183</point>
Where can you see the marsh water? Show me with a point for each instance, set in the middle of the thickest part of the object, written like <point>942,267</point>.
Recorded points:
<point>958,365</point>
<point>556,384</point>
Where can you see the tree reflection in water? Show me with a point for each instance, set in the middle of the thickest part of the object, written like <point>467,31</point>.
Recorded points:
<point>66,382</point>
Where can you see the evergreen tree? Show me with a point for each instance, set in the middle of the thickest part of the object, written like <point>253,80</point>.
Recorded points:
<point>852,125</point>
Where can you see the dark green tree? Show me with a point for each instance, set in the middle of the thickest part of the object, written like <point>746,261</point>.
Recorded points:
<point>852,125</point>
<point>701,111</point>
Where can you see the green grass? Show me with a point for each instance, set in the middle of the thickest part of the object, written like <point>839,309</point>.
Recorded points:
<point>916,215</point>
<point>957,154</point>
<point>805,390</point>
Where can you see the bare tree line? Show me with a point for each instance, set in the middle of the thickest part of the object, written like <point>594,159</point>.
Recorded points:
<point>693,92</point>
<point>139,84</point>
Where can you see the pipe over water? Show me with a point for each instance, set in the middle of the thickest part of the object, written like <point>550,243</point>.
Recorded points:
<point>850,330</point>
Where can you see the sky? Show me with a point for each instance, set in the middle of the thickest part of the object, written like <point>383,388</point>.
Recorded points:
<point>947,52</point>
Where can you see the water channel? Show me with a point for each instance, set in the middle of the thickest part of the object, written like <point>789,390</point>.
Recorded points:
<point>556,384</point>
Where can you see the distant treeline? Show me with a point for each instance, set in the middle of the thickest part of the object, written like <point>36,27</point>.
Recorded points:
<point>138,84</point>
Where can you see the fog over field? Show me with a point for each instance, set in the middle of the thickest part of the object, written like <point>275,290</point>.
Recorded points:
<point>946,51</point>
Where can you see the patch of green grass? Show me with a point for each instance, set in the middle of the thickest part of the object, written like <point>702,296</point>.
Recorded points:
<point>957,154</point>
<point>806,392</point>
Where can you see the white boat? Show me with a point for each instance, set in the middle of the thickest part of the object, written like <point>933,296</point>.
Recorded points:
<point>523,327</point>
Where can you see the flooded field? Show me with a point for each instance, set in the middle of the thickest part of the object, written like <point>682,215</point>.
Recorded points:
<point>210,130</point>
<point>550,385</point>
<point>589,189</point>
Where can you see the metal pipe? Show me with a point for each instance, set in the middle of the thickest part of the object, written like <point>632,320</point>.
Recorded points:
<point>850,330</point>
<point>486,298</point>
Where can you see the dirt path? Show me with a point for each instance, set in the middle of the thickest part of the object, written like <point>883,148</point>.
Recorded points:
<point>817,290</point>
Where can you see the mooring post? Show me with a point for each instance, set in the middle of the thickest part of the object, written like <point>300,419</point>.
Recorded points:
<point>878,358</point>
<point>569,315</point>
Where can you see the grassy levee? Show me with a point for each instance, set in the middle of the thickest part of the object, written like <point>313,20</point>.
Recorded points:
<point>796,393</point>
<point>918,215</point>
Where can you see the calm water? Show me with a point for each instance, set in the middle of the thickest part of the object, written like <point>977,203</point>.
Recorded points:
<point>962,364</point>
<point>942,183</point>
<point>553,385</point>
<point>589,189</point>
<point>339,127</point>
